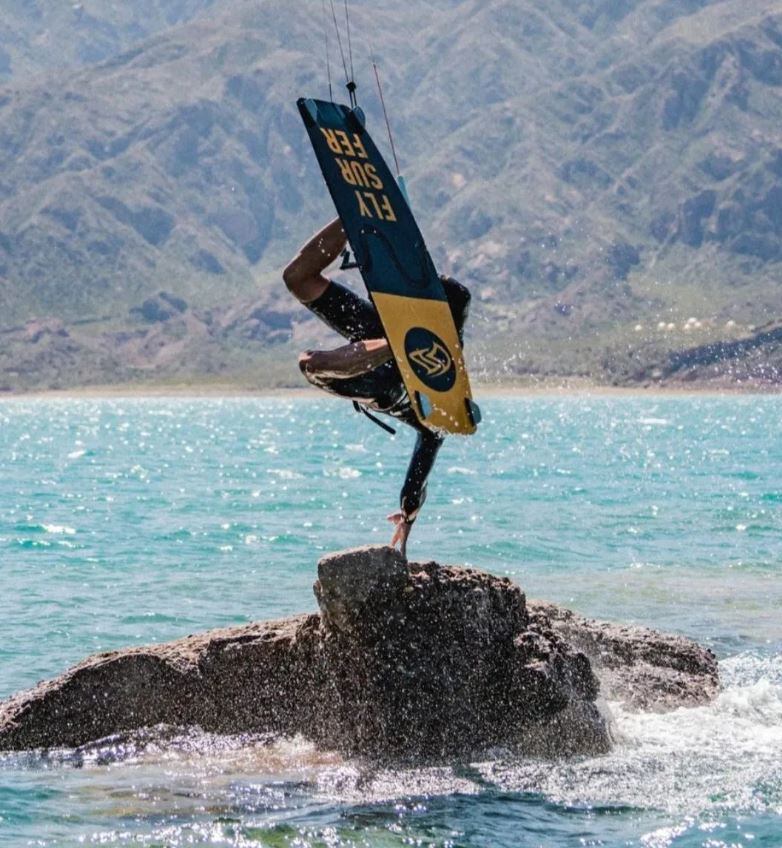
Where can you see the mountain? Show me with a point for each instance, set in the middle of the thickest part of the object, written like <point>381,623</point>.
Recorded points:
<point>39,35</point>
<point>605,174</point>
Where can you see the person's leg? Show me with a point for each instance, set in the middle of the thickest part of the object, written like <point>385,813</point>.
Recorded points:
<point>350,360</point>
<point>304,274</point>
<point>459,302</point>
<point>339,308</point>
<point>363,387</point>
<point>352,316</point>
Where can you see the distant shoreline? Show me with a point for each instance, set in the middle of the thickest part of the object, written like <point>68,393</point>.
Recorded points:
<point>552,388</point>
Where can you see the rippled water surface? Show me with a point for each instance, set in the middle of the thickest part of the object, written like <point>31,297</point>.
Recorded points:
<point>129,521</point>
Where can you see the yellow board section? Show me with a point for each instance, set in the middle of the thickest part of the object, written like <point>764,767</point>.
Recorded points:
<point>426,347</point>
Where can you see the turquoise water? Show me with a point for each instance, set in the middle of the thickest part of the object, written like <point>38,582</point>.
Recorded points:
<point>130,521</point>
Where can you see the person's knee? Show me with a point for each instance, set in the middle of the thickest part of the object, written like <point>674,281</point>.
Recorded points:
<point>305,361</point>
<point>311,362</point>
<point>455,291</point>
<point>307,366</point>
<point>304,286</point>
<point>458,300</point>
<point>291,276</point>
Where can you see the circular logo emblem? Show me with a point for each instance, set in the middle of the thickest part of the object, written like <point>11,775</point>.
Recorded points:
<point>430,359</point>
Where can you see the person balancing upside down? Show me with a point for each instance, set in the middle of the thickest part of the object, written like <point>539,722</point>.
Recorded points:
<point>364,370</point>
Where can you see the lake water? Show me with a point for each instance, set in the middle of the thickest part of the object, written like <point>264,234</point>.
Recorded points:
<point>124,522</point>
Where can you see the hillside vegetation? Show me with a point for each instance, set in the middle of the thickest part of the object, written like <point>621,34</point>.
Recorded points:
<point>605,174</point>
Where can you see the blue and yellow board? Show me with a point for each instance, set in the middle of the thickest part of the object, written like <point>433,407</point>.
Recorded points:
<point>395,264</point>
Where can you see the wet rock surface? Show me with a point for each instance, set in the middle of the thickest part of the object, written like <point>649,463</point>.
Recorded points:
<point>436,660</point>
<point>405,660</point>
<point>642,668</point>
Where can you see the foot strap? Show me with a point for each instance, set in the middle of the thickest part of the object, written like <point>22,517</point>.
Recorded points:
<point>359,408</point>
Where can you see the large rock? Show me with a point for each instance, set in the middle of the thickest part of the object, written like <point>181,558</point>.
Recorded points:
<point>405,660</point>
<point>436,660</point>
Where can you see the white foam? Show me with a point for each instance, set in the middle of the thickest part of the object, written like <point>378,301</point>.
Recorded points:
<point>344,472</point>
<point>59,529</point>
<point>727,755</point>
<point>748,719</point>
<point>285,473</point>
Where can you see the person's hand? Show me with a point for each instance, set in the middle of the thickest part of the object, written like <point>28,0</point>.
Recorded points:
<point>401,531</point>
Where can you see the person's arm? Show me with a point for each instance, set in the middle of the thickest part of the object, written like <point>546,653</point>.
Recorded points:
<point>346,361</point>
<point>304,273</point>
<point>413,492</point>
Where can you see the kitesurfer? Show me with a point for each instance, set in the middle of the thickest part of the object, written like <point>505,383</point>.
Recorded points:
<point>364,370</point>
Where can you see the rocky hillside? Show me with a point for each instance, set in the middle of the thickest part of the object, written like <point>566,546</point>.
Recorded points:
<point>590,168</point>
<point>40,35</point>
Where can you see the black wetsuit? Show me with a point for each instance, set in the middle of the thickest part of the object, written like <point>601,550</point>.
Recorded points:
<point>381,389</point>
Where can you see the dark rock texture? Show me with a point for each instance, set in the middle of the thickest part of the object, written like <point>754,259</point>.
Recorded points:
<point>752,359</point>
<point>441,660</point>
<point>643,668</point>
<point>404,661</point>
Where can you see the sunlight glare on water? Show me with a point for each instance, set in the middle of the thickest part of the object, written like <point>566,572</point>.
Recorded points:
<point>128,521</point>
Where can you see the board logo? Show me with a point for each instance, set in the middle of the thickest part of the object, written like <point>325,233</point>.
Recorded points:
<point>430,359</point>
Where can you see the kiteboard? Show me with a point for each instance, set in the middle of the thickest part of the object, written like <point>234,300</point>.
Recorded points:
<point>396,266</point>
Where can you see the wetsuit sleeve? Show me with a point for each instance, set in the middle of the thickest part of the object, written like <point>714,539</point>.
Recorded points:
<point>414,490</point>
